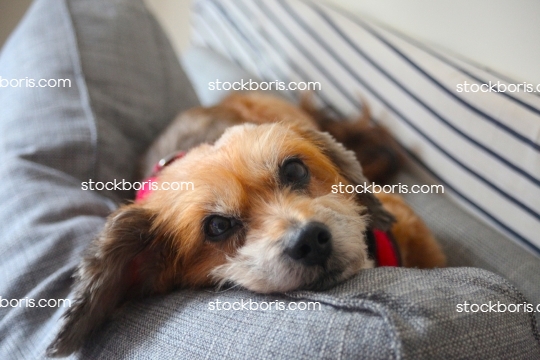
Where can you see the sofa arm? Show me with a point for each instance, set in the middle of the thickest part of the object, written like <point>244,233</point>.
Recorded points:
<point>383,313</point>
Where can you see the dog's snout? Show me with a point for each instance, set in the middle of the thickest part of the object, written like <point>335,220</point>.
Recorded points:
<point>311,245</point>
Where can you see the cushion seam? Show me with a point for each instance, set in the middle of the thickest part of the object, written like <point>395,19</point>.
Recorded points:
<point>80,80</point>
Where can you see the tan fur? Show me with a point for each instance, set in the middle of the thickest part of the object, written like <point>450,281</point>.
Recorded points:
<point>226,182</point>
<point>160,243</point>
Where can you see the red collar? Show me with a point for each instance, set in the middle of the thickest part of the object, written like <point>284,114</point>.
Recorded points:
<point>383,248</point>
<point>147,187</point>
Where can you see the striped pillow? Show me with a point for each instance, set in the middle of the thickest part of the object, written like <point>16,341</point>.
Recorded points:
<point>483,146</point>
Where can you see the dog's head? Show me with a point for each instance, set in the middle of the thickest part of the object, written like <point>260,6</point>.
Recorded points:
<point>261,213</point>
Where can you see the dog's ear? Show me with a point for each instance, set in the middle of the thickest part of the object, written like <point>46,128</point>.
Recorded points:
<point>378,152</point>
<point>350,168</point>
<point>124,262</point>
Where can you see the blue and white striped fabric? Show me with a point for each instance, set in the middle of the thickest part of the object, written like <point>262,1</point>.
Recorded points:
<point>483,146</point>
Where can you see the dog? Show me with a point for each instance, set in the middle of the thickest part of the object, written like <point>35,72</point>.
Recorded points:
<point>261,214</point>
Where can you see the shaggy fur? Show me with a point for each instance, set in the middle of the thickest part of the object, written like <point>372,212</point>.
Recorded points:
<point>239,153</point>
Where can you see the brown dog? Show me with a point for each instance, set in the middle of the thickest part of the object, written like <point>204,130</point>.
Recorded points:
<point>261,214</point>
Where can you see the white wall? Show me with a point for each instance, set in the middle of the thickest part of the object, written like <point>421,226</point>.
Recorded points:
<point>503,35</point>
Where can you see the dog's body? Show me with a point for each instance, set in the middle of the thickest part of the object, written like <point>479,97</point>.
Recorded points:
<point>261,215</point>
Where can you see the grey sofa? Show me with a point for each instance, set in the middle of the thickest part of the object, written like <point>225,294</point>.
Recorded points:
<point>126,85</point>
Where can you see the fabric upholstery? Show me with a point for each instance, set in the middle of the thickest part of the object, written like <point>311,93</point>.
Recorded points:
<point>383,313</point>
<point>467,241</point>
<point>126,85</point>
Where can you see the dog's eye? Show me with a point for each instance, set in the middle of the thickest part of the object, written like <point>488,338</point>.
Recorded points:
<point>293,172</point>
<point>216,227</point>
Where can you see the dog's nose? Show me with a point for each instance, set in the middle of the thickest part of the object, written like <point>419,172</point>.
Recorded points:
<point>311,245</point>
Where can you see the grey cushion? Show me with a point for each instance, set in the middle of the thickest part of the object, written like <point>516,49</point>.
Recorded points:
<point>468,241</point>
<point>126,85</point>
<point>385,313</point>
